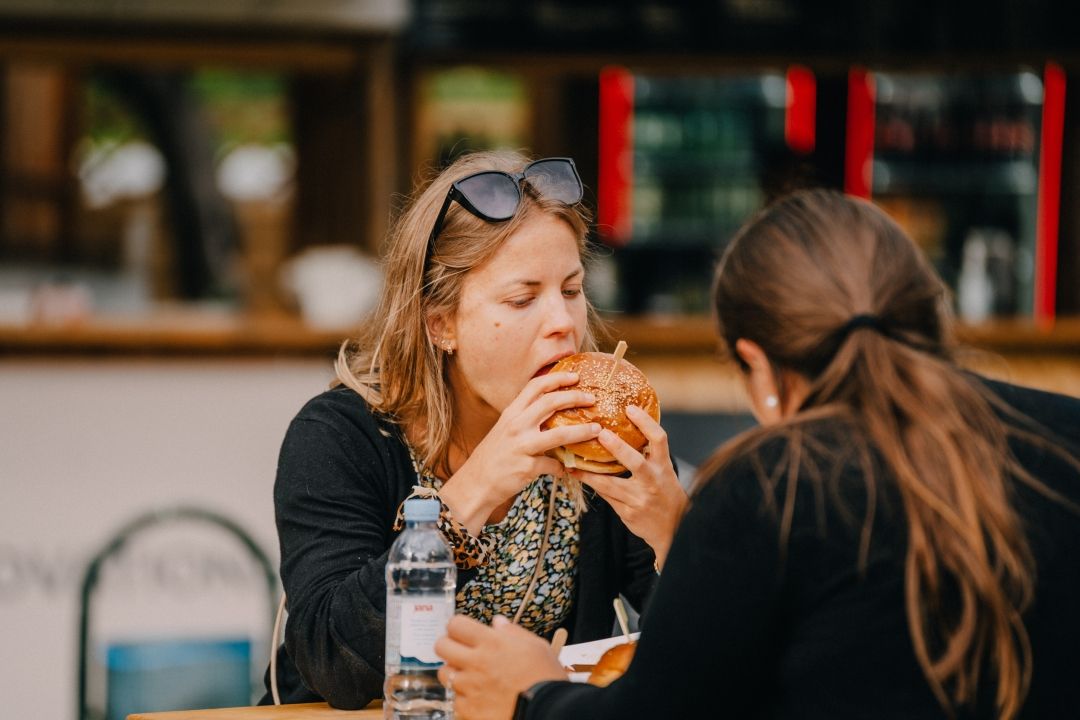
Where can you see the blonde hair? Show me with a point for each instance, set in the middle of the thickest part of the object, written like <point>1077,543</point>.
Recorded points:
<point>394,364</point>
<point>936,429</point>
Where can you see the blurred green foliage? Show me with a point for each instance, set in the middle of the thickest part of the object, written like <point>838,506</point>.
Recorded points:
<point>244,107</point>
<point>239,107</point>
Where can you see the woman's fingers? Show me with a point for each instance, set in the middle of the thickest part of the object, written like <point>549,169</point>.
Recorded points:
<point>550,403</point>
<point>627,456</point>
<point>463,629</point>
<point>463,636</point>
<point>453,651</point>
<point>650,428</point>
<point>488,675</point>
<point>610,487</point>
<point>446,675</point>
<point>651,501</point>
<point>565,435</point>
<point>544,384</point>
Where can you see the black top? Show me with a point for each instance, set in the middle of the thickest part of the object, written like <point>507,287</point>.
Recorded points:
<point>734,630</point>
<point>341,476</point>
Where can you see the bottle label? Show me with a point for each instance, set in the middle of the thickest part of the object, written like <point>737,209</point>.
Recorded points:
<point>423,621</point>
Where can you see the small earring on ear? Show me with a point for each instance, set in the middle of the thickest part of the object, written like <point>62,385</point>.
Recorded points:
<point>771,401</point>
<point>449,348</point>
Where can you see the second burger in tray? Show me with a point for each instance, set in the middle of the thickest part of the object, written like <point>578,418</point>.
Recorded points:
<point>614,391</point>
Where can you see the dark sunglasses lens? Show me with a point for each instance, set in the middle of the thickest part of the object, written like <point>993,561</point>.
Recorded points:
<point>555,179</point>
<point>492,194</point>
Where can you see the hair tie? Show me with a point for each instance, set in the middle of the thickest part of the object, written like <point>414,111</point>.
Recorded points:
<point>872,322</point>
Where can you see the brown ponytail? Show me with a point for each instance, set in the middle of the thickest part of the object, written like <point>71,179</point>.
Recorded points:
<point>791,281</point>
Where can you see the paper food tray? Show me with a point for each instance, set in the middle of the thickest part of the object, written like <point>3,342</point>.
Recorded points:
<point>589,653</point>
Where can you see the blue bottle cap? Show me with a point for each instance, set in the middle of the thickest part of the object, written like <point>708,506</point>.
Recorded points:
<point>421,510</point>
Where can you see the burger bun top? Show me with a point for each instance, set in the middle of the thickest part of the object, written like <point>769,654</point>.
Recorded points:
<point>628,386</point>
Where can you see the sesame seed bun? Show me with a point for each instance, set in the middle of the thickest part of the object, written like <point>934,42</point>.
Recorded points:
<point>628,386</point>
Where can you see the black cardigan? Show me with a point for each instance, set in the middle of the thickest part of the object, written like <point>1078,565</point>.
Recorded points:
<point>341,475</point>
<point>739,627</point>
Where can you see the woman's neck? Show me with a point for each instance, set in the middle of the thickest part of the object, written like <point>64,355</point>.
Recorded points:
<point>464,436</point>
<point>473,419</point>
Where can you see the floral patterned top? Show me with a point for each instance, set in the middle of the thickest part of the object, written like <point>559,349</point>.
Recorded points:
<point>508,557</point>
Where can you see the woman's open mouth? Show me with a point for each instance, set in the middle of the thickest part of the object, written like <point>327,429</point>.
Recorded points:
<point>544,370</point>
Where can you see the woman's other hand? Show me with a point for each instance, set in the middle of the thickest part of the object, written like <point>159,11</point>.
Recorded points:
<point>651,501</point>
<point>488,666</point>
<point>512,454</point>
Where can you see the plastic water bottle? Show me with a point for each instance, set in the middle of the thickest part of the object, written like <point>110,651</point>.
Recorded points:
<point>420,584</point>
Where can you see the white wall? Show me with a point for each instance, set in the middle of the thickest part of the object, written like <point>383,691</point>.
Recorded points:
<point>85,446</point>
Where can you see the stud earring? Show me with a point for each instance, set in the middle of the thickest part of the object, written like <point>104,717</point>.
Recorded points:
<point>771,401</point>
<point>449,347</point>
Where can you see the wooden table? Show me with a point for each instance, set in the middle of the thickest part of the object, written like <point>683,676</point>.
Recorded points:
<point>300,711</point>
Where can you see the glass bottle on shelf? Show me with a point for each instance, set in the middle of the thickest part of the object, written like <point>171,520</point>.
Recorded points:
<point>961,147</point>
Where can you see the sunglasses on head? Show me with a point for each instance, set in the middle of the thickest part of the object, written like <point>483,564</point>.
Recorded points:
<point>494,196</point>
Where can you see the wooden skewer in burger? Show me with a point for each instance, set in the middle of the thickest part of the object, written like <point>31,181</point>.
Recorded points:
<point>616,384</point>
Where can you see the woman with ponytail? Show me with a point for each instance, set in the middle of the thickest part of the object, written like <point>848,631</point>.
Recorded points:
<point>898,538</point>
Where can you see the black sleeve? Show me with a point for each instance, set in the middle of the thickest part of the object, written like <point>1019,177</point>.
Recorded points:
<point>1051,415</point>
<point>639,572</point>
<point>709,638</point>
<point>331,505</point>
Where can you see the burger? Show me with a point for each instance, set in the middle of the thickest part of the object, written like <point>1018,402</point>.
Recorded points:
<point>612,664</point>
<point>613,393</point>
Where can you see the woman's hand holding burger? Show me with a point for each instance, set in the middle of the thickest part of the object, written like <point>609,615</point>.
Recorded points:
<point>513,453</point>
<point>650,501</point>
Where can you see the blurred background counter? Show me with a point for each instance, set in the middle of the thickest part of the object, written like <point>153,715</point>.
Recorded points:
<point>681,355</point>
<point>207,175</point>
